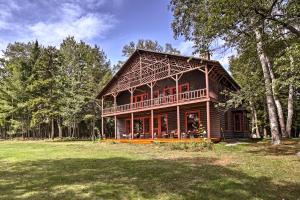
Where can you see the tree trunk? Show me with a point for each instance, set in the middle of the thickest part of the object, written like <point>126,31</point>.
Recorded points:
<point>268,85</point>
<point>277,101</point>
<point>254,121</point>
<point>93,130</point>
<point>59,128</point>
<point>52,129</point>
<point>289,120</point>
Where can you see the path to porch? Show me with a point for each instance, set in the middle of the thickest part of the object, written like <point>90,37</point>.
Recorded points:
<point>161,140</point>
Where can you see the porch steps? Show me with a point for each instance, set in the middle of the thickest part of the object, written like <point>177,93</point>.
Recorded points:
<point>160,140</point>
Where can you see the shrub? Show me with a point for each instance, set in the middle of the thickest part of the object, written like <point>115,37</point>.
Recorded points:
<point>192,146</point>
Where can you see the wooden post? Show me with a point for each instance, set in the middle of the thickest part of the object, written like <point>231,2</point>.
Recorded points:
<point>208,119</point>
<point>177,89</point>
<point>116,127</point>
<point>207,103</point>
<point>102,118</point>
<point>152,124</point>
<point>115,100</point>
<point>152,120</point>
<point>132,126</point>
<point>206,81</point>
<point>178,122</point>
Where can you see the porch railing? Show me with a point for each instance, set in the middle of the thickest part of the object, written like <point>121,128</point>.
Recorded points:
<point>163,100</point>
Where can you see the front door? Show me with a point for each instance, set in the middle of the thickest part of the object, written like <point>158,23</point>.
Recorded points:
<point>156,127</point>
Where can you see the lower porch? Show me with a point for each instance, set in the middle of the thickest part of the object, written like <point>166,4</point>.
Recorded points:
<point>197,120</point>
<point>160,140</point>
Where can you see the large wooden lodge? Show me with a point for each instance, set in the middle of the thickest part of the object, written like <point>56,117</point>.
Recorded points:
<point>159,95</point>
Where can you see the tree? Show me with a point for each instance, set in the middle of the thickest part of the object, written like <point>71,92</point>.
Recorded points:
<point>84,71</point>
<point>151,45</point>
<point>234,21</point>
<point>16,70</point>
<point>41,87</point>
<point>148,45</point>
<point>288,65</point>
<point>245,69</point>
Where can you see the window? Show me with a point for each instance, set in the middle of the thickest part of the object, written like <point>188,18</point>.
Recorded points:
<point>128,126</point>
<point>192,121</point>
<point>138,125</point>
<point>155,94</point>
<point>184,88</point>
<point>139,98</point>
<point>146,125</point>
<point>168,94</point>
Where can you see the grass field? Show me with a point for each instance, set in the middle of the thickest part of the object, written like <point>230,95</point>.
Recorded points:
<point>87,170</point>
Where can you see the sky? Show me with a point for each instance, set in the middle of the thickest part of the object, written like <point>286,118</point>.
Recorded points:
<point>109,24</point>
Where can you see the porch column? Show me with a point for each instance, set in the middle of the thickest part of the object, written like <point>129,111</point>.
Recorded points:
<point>177,89</point>
<point>152,102</point>
<point>207,103</point>
<point>152,126</point>
<point>132,126</point>
<point>206,81</point>
<point>116,127</point>
<point>102,118</point>
<point>115,101</point>
<point>208,118</point>
<point>178,122</point>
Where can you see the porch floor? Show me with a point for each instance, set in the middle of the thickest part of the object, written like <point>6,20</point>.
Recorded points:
<point>161,140</point>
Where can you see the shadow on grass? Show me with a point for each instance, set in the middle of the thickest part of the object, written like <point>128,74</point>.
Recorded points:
<point>287,147</point>
<point>123,178</point>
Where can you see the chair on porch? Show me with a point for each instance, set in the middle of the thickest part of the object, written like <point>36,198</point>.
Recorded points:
<point>173,134</point>
<point>165,134</point>
<point>125,135</point>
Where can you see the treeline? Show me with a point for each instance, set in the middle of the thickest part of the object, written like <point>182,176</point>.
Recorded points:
<point>48,92</point>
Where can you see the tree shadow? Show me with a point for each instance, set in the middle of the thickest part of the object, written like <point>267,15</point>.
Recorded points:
<point>287,147</point>
<point>124,178</point>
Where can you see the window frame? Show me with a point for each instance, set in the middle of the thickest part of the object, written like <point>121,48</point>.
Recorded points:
<point>188,113</point>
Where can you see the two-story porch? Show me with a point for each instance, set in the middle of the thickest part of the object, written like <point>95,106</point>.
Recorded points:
<point>158,95</point>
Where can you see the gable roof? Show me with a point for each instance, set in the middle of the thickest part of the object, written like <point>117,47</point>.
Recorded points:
<point>188,58</point>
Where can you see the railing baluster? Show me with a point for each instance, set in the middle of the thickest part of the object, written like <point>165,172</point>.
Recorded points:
<point>171,99</point>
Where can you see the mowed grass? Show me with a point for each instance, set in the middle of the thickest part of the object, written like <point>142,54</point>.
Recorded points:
<point>95,170</point>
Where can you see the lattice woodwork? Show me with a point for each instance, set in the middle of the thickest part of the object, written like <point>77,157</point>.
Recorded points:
<point>147,67</point>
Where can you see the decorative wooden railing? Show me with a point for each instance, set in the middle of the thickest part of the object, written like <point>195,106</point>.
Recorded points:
<point>160,101</point>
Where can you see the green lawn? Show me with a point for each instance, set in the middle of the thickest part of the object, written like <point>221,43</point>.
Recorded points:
<point>87,170</point>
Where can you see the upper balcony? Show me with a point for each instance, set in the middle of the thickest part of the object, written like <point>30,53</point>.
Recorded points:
<point>187,97</point>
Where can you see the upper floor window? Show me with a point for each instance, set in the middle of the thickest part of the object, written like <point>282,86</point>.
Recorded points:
<point>184,87</point>
<point>139,98</point>
<point>172,90</point>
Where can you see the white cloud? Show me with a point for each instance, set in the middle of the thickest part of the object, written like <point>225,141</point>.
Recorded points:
<point>51,26</point>
<point>186,47</point>
<point>85,27</point>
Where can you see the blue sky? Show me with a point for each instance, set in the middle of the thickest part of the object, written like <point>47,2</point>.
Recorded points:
<point>108,23</point>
